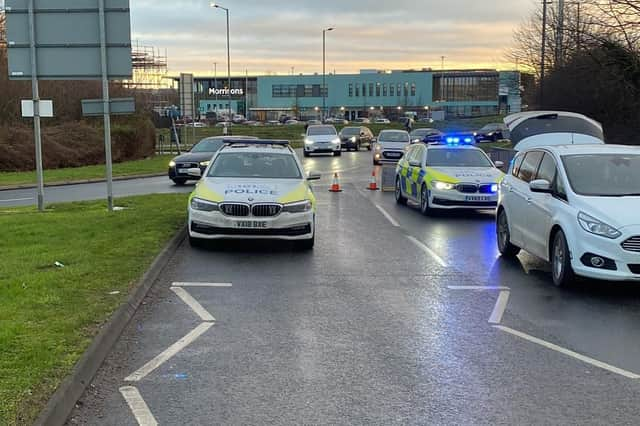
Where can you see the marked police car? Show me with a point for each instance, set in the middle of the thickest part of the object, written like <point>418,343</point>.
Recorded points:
<point>448,176</point>
<point>253,189</point>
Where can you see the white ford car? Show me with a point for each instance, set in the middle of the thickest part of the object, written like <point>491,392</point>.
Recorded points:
<point>577,206</point>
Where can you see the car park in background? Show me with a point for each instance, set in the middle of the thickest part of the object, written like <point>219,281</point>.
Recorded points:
<point>382,121</point>
<point>291,122</point>
<point>355,137</point>
<point>447,177</point>
<point>198,157</point>
<point>362,120</point>
<point>253,189</point>
<point>426,135</point>
<point>492,132</point>
<point>322,138</point>
<point>314,122</point>
<point>390,146</point>
<point>575,206</point>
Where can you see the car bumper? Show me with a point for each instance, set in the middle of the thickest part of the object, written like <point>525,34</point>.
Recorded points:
<point>388,156</point>
<point>285,226</point>
<point>322,148</point>
<point>627,263</point>
<point>452,199</point>
<point>175,173</point>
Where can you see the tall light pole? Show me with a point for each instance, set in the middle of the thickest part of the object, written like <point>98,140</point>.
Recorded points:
<point>543,49</point>
<point>324,63</point>
<point>217,6</point>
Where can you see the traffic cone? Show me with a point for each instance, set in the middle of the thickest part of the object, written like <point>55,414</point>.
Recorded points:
<point>335,185</point>
<point>373,183</point>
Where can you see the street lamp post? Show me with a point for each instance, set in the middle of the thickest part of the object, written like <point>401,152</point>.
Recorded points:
<point>324,63</point>
<point>217,6</point>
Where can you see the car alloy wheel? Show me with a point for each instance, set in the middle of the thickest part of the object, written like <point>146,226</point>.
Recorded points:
<point>505,246</point>
<point>561,270</point>
<point>398,193</point>
<point>424,200</point>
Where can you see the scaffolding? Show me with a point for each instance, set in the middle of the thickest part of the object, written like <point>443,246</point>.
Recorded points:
<point>150,75</point>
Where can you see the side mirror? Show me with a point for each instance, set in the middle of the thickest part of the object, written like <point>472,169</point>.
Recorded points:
<point>541,185</point>
<point>499,164</point>
<point>374,140</point>
<point>314,176</point>
<point>195,172</point>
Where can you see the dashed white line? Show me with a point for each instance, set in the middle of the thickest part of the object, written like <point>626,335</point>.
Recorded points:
<point>15,199</point>
<point>475,287</point>
<point>568,352</point>
<point>194,284</point>
<point>193,304</point>
<point>427,250</point>
<point>499,308</point>
<point>169,352</point>
<point>387,215</point>
<point>138,407</point>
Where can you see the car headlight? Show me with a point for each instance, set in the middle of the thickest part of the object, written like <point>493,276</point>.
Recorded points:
<point>204,205</point>
<point>308,142</point>
<point>298,207</point>
<point>172,163</point>
<point>494,188</point>
<point>353,139</point>
<point>336,140</point>
<point>442,186</point>
<point>594,226</point>
<point>204,163</point>
<point>378,147</point>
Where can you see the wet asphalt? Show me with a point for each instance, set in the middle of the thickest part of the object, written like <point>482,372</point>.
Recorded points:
<point>366,328</point>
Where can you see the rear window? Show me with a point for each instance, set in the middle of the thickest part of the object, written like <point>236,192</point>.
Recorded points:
<point>529,166</point>
<point>321,130</point>
<point>255,165</point>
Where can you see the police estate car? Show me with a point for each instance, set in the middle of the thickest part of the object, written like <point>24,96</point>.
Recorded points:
<point>253,189</point>
<point>450,176</point>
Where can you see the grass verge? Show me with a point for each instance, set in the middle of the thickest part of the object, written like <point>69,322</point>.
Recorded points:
<point>49,314</point>
<point>154,164</point>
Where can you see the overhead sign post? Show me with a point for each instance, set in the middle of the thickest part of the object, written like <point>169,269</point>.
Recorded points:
<point>69,40</point>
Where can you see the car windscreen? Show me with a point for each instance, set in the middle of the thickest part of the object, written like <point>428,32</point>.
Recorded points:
<point>457,158</point>
<point>350,131</point>
<point>255,165</point>
<point>603,175</point>
<point>397,137</point>
<point>208,145</point>
<point>321,130</point>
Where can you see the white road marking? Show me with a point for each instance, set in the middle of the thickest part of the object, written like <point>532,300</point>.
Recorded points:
<point>568,352</point>
<point>475,287</point>
<point>193,304</point>
<point>498,309</point>
<point>180,284</point>
<point>427,250</point>
<point>138,407</point>
<point>15,199</point>
<point>169,352</point>
<point>388,216</point>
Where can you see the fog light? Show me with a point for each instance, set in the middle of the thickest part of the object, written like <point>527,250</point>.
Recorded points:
<point>597,262</point>
<point>600,262</point>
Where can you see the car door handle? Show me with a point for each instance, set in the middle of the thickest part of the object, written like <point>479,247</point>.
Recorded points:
<point>529,200</point>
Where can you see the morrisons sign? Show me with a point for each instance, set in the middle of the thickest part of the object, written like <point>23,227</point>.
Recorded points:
<point>225,92</point>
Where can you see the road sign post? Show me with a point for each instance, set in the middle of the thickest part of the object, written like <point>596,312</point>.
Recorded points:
<point>36,107</point>
<point>105,98</point>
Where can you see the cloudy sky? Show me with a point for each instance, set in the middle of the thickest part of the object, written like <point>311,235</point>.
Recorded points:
<point>271,36</point>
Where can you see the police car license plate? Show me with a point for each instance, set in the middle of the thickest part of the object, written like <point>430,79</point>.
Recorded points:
<point>183,171</point>
<point>251,224</point>
<point>476,198</point>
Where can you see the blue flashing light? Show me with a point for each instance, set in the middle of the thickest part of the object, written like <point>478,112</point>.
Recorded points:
<point>468,140</point>
<point>457,139</point>
<point>494,188</point>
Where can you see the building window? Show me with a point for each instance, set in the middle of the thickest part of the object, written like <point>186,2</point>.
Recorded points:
<point>357,90</point>
<point>392,89</point>
<point>413,89</point>
<point>351,90</point>
<point>406,89</point>
<point>297,91</point>
<point>399,92</point>
<point>384,89</point>
<point>472,87</point>
<point>378,89</point>
<point>364,90</point>
<point>371,90</point>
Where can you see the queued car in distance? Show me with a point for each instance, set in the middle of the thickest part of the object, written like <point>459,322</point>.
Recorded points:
<point>492,132</point>
<point>426,135</point>
<point>447,177</point>
<point>382,121</point>
<point>362,120</point>
<point>253,189</point>
<point>390,146</point>
<point>198,157</point>
<point>322,138</point>
<point>355,137</point>
<point>575,206</point>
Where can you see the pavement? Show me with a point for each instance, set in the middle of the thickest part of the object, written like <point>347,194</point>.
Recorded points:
<point>393,318</point>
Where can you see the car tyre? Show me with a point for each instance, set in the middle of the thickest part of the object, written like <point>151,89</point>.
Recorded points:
<point>337,153</point>
<point>196,242</point>
<point>506,248</point>
<point>305,153</point>
<point>357,148</point>
<point>179,181</point>
<point>400,199</point>
<point>425,208</point>
<point>561,270</point>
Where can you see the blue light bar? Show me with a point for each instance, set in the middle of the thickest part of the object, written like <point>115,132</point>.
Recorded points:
<point>255,142</point>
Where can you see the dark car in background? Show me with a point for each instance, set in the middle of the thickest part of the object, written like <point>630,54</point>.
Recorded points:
<point>492,132</point>
<point>355,137</point>
<point>426,135</point>
<point>198,157</point>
